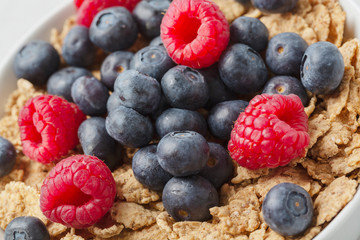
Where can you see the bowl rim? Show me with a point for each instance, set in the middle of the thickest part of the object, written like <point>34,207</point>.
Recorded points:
<point>39,31</point>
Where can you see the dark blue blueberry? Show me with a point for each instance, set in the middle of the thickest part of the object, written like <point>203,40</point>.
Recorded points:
<point>95,141</point>
<point>218,92</point>
<point>189,198</point>
<point>242,69</point>
<point>176,119</point>
<point>288,209</point>
<point>163,105</point>
<point>138,91</point>
<point>147,169</point>
<point>152,61</point>
<point>148,14</point>
<point>113,102</point>
<point>113,29</point>
<point>322,68</point>
<point>77,49</point>
<point>156,42</point>
<point>129,127</point>
<point>286,85</point>
<point>113,65</point>
<point>249,31</point>
<point>185,87</point>
<point>183,153</point>
<point>90,95</point>
<point>7,157</point>
<point>61,81</point>
<point>274,6</point>
<point>222,117</point>
<point>219,168</point>
<point>26,228</point>
<point>284,53</point>
<point>36,61</point>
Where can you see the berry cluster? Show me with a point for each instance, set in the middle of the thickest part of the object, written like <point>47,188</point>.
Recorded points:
<point>187,169</point>
<point>186,87</point>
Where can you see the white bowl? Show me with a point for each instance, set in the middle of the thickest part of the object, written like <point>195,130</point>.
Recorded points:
<point>345,226</point>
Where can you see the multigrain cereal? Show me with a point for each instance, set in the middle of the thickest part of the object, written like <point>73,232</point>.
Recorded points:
<point>330,171</point>
<point>330,201</point>
<point>133,216</point>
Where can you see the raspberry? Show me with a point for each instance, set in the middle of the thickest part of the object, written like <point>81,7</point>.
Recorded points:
<point>48,127</point>
<point>89,8</point>
<point>194,32</point>
<point>78,3</point>
<point>270,132</point>
<point>78,191</point>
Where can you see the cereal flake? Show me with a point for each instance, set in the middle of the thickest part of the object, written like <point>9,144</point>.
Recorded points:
<point>132,215</point>
<point>330,201</point>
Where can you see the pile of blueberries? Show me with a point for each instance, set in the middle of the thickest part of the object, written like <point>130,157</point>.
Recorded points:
<point>144,96</point>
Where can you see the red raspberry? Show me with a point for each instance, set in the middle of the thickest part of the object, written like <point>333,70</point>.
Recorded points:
<point>78,3</point>
<point>270,132</point>
<point>194,32</point>
<point>89,8</point>
<point>78,191</point>
<point>48,127</point>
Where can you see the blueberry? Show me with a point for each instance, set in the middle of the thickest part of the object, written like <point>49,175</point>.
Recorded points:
<point>138,91</point>
<point>77,49</point>
<point>250,31</point>
<point>147,169</point>
<point>7,157</point>
<point>284,53</point>
<point>95,141</point>
<point>113,102</point>
<point>163,105</point>
<point>183,153</point>
<point>36,61</point>
<point>156,42</point>
<point>113,29</point>
<point>176,119</point>
<point>222,117</point>
<point>274,6</point>
<point>219,168</point>
<point>90,95</point>
<point>27,228</point>
<point>189,198</point>
<point>322,68</point>
<point>286,85</point>
<point>148,14</point>
<point>185,87</point>
<point>152,61</point>
<point>114,64</point>
<point>61,81</point>
<point>242,69</point>
<point>288,209</point>
<point>129,127</point>
<point>218,92</point>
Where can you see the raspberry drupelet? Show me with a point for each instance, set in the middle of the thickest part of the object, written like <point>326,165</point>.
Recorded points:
<point>48,127</point>
<point>271,132</point>
<point>194,32</point>
<point>78,191</point>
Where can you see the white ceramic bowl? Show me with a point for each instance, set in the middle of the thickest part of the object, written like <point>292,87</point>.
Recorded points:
<point>345,226</point>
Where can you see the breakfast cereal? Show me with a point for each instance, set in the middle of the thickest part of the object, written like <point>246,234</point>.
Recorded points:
<point>329,172</point>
